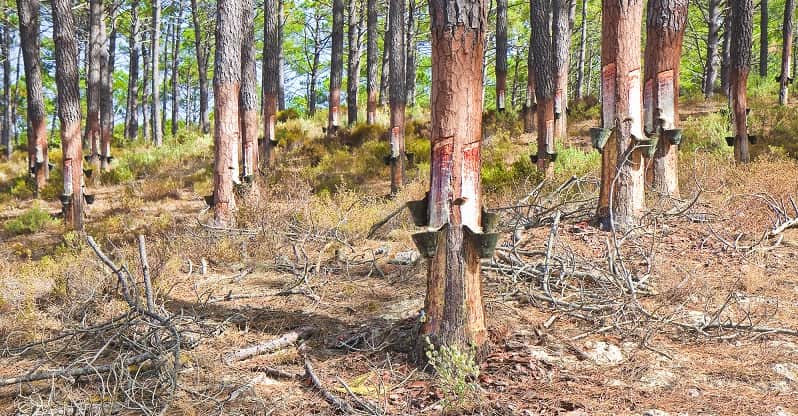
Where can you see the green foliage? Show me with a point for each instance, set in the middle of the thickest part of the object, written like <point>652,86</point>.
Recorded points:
<point>362,133</point>
<point>574,161</point>
<point>587,108</point>
<point>287,114</point>
<point>31,221</point>
<point>456,372</point>
<point>707,132</point>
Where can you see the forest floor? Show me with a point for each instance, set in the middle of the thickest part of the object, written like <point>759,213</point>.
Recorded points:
<point>694,312</point>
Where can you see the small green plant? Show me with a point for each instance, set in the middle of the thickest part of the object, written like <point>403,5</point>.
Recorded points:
<point>456,372</point>
<point>29,222</point>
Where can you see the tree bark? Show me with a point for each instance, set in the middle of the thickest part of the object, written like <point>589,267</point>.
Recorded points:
<point>157,130</point>
<point>665,26</point>
<point>336,67</point>
<point>271,87</point>
<point>248,98</point>
<point>786,52</point>
<point>410,51</point>
<point>202,66</point>
<point>385,70</point>
<point>454,313</point>
<point>281,57</point>
<point>545,83</point>
<point>146,101</point>
<point>580,72</point>
<point>501,53</point>
<point>763,38</point>
<point>353,63</point>
<point>622,194</point>
<point>28,12</point>
<point>131,107</point>
<point>94,82</point>
<point>725,63</point>
<point>226,88</point>
<point>66,74</point>
<point>107,99</point>
<point>5,47</point>
<point>562,14</point>
<point>742,25</point>
<point>177,31</point>
<point>371,61</point>
<point>530,103</point>
<point>713,36</point>
<point>398,94</point>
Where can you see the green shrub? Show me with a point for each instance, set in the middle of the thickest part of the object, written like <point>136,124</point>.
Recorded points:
<point>362,133</point>
<point>456,373</point>
<point>29,222</point>
<point>707,132</point>
<point>287,114</point>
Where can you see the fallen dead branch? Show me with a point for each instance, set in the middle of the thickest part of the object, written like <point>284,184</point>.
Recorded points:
<point>339,405</point>
<point>269,346</point>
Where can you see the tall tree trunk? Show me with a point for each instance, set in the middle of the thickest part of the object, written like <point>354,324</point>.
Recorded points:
<point>622,195</point>
<point>353,63</point>
<point>175,61</point>
<point>248,99</point>
<point>107,99</point>
<point>385,68</point>
<point>97,54</point>
<point>226,88</point>
<point>580,72</point>
<point>545,83</point>
<point>562,15</point>
<point>37,134</point>
<point>5,47</point>
<point>454,313</point>
<point>131,107</point>
<point>66,78</point>
<point>786,52</point>
<point>763,38</point>
<point>501,53</point>
<point>530,103</point>
<point>742,25</point>
<point>157,129</point>
<point>725,63</point>
<point>713,36</point>
<point>398,94</point>
<point>165,74</point>
<point>336,67</point>
<point>410,51</point>
<point>371,61</point>
<point>271,87</point>
<point>146,114</point>
<point>665,26</point>
<point>281,59</point>
<point>514,89</point>
<point>314,68</point>
<point>202,67</point>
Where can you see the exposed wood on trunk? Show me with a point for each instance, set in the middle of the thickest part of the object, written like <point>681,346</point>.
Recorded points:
<point>622,194</point>
<point>271,86</point>
<point>454,313</point>
<point>248,98</point>
<point>786,52</point>
<point>713,39</point>
<point>37,135</point>
<point>545,83</point>
<point>353,62</point>
<point>226,87</point>
<point>66,74</point>
<point>157,129</point>
<point>336,67</point>
<point>371,61</point>
<point>580,71</point>
<point>742,25</point>
<point>666,23</point>
<point>201,52</point>
<point>131,107</point>
<point>501,53</point>
<point>398,94</point>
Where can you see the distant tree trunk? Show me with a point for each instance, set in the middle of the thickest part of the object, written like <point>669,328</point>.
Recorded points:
<point>786,52</point>
<point>410,52</point>
<point>97,54</point>
<point>226,88</point>
<point>5,47</point>
<point>165,74</point>
<point>454,313</point>
<point>131,108</point>
<point>37,134</point>
<point>398,94</point>
<point>248,98</point>
<point>202,67</point>
<point>580,72</point>
<point>353,63</point>
<point>742,25</point>
<point>713,36</point>
<point>514,89</point>
<point>545,82</point>
<point>107,99</point>
<point>146,113</point>
<point>622,194</point>
<point>157,130</point>
<point>725,63</point>
<point>530,103</point>
<point>562,15</point>
<point>271,87</point>
<point>385,68</point>
<point>66,78</point>
<point>175,61</point>
<point>371,61</point>
<point>281,60</point>
<point>665,26</point>
<point>314,68</point>
<point>763,38</point>
<point>336,67</point>
<point>501,53</point>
